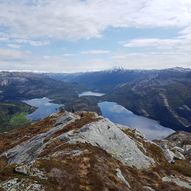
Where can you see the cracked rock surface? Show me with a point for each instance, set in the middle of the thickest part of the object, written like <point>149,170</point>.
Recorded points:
<point>86,152</point>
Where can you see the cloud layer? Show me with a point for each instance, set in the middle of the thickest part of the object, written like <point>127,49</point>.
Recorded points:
<point>75,19</point>
<point>41,23</point>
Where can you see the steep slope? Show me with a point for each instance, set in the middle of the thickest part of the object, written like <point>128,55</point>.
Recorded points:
<point>165,98</point>
<point>107,80</point>
<point>102,80</point>
<point>163,95</point>
<point>12,114</point>
<point>83,151</point>
<point>15,86</point>
<point>180,143</point>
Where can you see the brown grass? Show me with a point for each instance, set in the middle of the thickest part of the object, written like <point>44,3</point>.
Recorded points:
<point>17,136</point>
<point>92,170</point>
<point>182,167</point>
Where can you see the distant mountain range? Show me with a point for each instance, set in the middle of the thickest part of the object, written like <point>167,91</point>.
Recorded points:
<point>16,87</point>
<point>19,86</point>
<point>163,95</point>
<point>108,79</point>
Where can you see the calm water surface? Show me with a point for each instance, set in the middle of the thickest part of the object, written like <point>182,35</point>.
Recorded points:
<point>118,114</point>
<point>90,93</point>
<point>44,108</point>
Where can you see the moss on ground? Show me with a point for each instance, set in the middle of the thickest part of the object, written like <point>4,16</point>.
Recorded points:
<point>13,114</point>
<point>19,119</point>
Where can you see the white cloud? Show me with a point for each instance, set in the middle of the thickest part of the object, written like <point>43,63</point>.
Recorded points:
<point>180,44</point>
<point>186,33</point>
<point>14,46</point>
<point>95,52</point>
<point>28,62</point>
<point>153,42</point>
<point>11,54</point>
<point>29,22</point>
<point>17,41</point>
<point>76,19</point>
<point>68,55</point>
<point>153,60</point>
<point>31,42</point>
<point>54,64</point>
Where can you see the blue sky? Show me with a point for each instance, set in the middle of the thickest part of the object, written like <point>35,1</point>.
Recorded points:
<point>90,35</point>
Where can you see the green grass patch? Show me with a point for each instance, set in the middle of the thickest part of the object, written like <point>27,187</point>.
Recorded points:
<point>13,115</point>
<point>7,104</point>
<point>19,119</point>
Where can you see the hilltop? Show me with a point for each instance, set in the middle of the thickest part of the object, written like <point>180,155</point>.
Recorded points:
<point>84,151</point>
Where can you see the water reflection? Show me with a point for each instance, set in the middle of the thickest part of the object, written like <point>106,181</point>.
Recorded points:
<point>118,114</point>
<point>44,108</point>
<point>90,93</point>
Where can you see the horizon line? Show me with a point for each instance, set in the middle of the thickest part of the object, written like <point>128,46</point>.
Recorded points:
<point>112,69</point>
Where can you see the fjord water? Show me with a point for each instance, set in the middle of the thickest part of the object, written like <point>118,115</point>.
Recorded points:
<point>90,93</point>
<point>118,114</point>
<point>44,108</point>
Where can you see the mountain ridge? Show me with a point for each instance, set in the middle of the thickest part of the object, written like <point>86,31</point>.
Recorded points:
<point>162,95</point>
<point>80,151</point>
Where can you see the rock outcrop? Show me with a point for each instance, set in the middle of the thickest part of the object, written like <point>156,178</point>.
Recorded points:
<point>177,146</point>
<point>29,150</point>
<point>86,152</point>
<point>109,137</point>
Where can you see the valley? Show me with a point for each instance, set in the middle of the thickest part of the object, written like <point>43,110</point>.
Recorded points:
<point>95,95</point>
<point>60,134</point>
<point>161,95</point>
<point>13,114</point>
<point>120,115</point>
<point>44,108</point>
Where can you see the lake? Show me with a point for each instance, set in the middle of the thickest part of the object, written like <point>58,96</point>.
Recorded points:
<point>90,93</point>
<point>44,108</point>
<point>118,114</point>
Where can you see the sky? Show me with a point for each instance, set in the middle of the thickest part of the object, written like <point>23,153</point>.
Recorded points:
<point>90,35</point>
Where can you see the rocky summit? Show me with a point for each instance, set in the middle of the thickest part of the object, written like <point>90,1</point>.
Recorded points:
<point>86,152</point>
